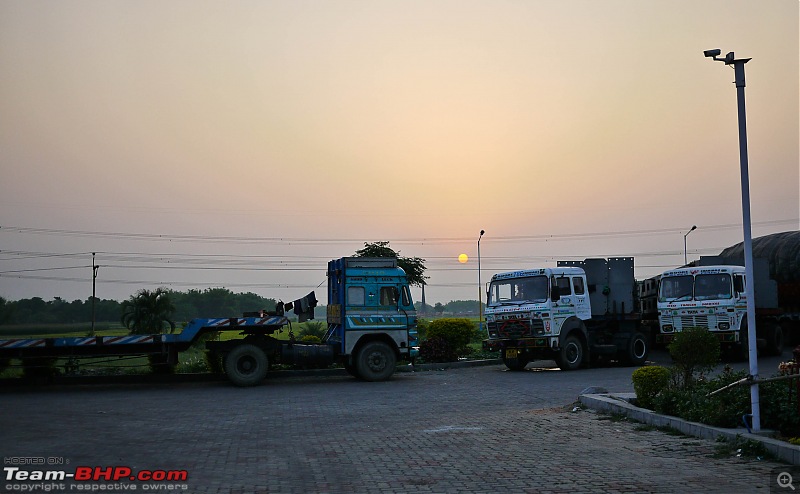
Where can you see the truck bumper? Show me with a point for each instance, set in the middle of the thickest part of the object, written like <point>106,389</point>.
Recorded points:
<point>527,348</point>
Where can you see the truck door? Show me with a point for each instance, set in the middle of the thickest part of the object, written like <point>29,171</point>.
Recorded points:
<point>583,308</point>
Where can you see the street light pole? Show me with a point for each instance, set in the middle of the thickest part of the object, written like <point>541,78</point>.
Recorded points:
<point>694,227</point>
<point>738,69</point>
<point>480,288</point>
<point>94,278</point>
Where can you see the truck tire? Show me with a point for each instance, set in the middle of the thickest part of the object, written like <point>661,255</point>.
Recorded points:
<point>637,350</point>
<point>774,336</point>
<point>570,356</point>
<point>376,361</point>
<point>246,365</point>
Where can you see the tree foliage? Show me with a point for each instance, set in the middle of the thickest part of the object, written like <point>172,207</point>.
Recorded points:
<point>413,266</point>
<point>148,312</point>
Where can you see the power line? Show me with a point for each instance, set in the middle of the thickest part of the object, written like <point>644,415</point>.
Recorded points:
<point>301,240</point>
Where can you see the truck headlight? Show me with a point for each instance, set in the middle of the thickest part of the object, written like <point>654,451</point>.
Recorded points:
<point>724,326</point>
<point>667,328</point>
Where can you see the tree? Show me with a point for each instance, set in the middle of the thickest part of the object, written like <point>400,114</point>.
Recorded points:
<point>6,311</point>
<point>413,266</point>
<point>148,312</point>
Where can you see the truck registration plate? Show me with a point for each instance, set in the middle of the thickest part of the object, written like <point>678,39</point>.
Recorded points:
<point>512,353</point>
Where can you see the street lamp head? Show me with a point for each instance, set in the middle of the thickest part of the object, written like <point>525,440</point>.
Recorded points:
<point>694,227</point>
<point>712,53</point>
<point>482,232</point>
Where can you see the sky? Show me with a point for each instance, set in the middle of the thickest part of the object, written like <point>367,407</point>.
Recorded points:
<point>243,144</point>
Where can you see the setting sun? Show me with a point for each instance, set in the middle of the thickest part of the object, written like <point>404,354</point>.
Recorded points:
<point>463,258</point>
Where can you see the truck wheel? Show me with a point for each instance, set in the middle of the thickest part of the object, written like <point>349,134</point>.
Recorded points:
<point>570,357</point>
<point>636,353</point>
<point>774,336</point>
<point>246,365</point>
<point>376,361</point>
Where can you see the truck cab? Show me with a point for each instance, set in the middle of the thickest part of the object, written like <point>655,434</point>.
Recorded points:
<point>571,313</point>
<point>713,297</point>
<point>535,303</point>
<point>371,317</point>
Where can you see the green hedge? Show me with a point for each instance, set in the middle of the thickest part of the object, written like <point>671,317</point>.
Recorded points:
<point>447,339</point>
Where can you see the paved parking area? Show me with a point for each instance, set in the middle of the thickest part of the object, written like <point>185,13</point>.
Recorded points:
<point>467,430</point>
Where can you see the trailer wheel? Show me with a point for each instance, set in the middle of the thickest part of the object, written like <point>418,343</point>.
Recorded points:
<point>570,357</point>
<point>774,336</point>
<point>636,353</point>
<point>376,361</point>
<point>246,365</point>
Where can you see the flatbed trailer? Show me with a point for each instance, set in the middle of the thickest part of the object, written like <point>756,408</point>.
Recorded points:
<point>371,319</point>
<point>165,346</point>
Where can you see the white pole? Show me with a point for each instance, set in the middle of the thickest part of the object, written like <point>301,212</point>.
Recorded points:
<point>738,67</point>
<point>752,353</point>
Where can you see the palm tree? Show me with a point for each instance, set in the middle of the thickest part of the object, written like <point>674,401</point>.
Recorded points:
<point>148,312</point>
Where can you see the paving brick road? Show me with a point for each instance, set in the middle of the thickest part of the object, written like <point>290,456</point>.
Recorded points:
<point>478,429</point>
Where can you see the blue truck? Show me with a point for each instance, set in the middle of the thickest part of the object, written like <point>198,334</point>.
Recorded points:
<point>372,324</point>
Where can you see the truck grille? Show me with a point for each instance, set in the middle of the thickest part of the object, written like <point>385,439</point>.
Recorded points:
<point>516,328</point>
<point>705,321</point>
<point>694,322</point>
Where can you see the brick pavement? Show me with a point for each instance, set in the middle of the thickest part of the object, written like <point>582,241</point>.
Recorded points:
<point>466,430</point>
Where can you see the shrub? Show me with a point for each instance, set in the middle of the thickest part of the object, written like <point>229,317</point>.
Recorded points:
<point>648,382</point>
<point>457,332</point>
<point>310,338</point>
<point>422,328</point>
<point>778,401</point>
<point>694,350</point>
<point>692,402</point>
<point>316,329</point>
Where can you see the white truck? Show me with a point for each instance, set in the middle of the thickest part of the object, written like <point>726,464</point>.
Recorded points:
<point>711,295</point>
<point>576,313</point>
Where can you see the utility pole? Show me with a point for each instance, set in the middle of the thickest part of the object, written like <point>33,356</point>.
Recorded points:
<point>94,283</point>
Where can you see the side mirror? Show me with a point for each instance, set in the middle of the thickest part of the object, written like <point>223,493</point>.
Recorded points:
<point>738,284</point>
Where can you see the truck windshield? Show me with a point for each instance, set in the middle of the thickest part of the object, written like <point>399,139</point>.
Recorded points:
<point>518,290</point>
<point>675,288</point>
<point>712,286</point>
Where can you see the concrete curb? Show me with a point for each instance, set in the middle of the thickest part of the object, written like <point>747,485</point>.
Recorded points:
<point>619,403</point>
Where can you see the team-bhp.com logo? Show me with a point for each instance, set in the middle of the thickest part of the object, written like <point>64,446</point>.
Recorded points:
<point>95,474</point>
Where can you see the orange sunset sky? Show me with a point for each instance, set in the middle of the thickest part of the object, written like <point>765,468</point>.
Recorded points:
<point>242,144</point>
